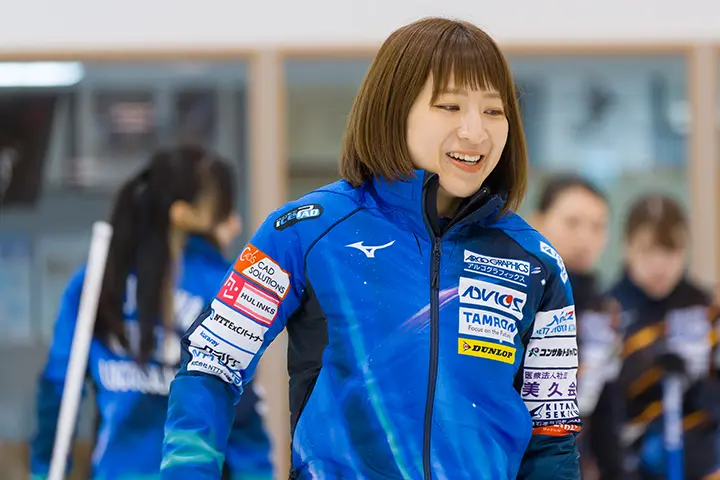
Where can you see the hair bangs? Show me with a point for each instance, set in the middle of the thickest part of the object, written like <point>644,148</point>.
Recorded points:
<point>464,59</point>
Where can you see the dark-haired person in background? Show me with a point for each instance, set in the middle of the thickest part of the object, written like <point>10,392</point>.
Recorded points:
<point>574,215</point>
<point>170,223</point>
<point>667,323</point>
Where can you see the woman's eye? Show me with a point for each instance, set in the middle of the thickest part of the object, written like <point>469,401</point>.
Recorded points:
<point>449,108</point>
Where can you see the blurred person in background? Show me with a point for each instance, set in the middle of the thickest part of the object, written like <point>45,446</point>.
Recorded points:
<point>172,224</point>
<point>419,307</point>
<point>574,215</point>
<point>667,324</point>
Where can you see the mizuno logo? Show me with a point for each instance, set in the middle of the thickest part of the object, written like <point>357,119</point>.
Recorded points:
<point>369,251</point>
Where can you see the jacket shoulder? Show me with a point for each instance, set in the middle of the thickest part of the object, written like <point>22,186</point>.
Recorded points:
<point>535,244</point>
<point>317,210</point>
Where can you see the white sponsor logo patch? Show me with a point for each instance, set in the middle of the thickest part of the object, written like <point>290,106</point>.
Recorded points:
<point>207,362</point>
<point>555,323</point>
<point>552,353</point>
<point>510,264</point>
<point>232,327</point>
<point>481,323</point>
<point>478,292</point>
<point>549,384</point>
<point>553,412</point>
<point>226,353</point>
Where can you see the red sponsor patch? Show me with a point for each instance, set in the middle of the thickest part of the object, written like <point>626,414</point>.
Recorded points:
<point>556,430</point>
<point>244,297</point>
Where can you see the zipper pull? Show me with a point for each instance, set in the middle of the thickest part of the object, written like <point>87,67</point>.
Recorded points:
<point>437,249</point>
<point>437,253</point>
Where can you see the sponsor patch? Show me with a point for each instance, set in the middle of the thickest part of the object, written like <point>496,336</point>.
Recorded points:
<point>250,300</point>
<point>549,374</point>
<point>233,327</point>
<point>226,353</point>
<point>485,294</point>
<point>258,267</point>
<point>552,353</point>
<point>491,351</point>
<point>552,385</point>
<point>556,430</point>
<point>305,212</point>
<point>555,323</point>
<point>507,269</point>
<point>481,323</point>
<point>207,361</point>
<point>550,251</point>
<point>553,413</point>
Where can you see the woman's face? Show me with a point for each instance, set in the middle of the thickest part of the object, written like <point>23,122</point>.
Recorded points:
<point>577,226</point>
<point>657,270</point>
<point>460,136</point>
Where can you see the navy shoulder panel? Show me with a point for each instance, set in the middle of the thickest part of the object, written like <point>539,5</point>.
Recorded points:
<point>515,227</point>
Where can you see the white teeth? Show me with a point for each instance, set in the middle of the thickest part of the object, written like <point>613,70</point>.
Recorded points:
<point>465,158</point>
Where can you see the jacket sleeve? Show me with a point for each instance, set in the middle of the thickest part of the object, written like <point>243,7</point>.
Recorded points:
<point>52,380</point>
<point>248,450</point>
<point>549,381</point>
<point>222,348</point>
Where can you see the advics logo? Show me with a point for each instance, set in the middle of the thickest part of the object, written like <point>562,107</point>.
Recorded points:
<point>486,294</point>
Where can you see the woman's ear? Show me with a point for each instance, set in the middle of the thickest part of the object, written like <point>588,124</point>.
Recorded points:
<point>182,215</point>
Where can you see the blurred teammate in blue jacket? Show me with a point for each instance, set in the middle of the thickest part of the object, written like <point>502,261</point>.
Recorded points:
<point>171,223</point>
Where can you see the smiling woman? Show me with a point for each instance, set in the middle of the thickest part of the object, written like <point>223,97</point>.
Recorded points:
<point>402,284</point>
<point>449,110</point>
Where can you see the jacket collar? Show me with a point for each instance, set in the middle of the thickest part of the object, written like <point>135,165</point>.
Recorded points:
<point>420,189</point>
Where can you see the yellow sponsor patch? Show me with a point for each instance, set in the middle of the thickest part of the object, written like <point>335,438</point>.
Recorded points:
<point>491,351</point>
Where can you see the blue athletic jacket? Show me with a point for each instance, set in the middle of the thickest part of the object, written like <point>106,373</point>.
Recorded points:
<point>417,349</point>
<point>132,403</point>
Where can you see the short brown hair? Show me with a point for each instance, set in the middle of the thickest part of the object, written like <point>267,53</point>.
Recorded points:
<point>375,141</point>
<point>665,218</point>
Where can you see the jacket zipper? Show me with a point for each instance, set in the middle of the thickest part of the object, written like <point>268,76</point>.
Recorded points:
<point>435,324</point>
<point>434,346</point>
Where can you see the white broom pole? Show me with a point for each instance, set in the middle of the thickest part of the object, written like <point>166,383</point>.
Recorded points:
<point>75,378</point>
